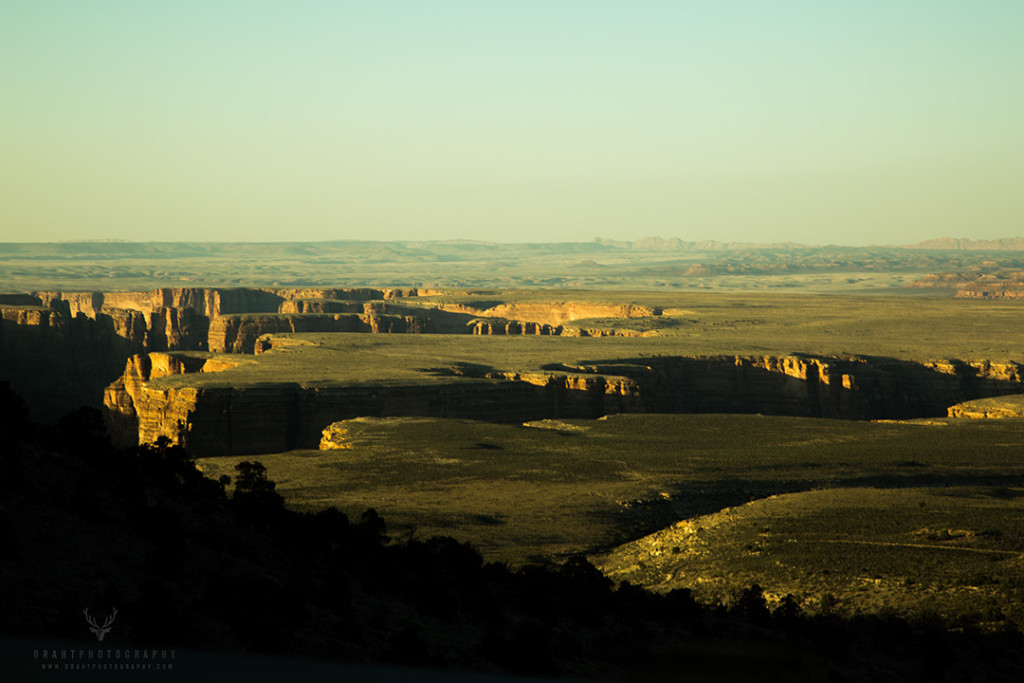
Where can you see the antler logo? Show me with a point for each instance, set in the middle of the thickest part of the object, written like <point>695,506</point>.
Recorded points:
<point>100,631</point>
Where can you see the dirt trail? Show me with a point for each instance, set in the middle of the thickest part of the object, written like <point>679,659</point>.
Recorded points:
<point>893,544</point>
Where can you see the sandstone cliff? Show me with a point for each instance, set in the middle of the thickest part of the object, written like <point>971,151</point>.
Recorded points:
<point>59,349</point>
<point>990,408</point>
<point>552,314</point>
<point>856,388</point>
<point>503,326</point>
<point>121,397</point>
<point>262,417</point>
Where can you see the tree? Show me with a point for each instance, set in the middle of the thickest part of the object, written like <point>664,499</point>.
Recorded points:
<point>751,604</point>
<point>255,496</point>
<point>252,479</point>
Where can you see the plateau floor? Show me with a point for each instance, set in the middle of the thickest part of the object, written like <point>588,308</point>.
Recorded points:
<point>555,488</point>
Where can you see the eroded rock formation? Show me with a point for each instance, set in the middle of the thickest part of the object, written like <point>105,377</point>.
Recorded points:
<point>122,395</point>
<point>61,348</point>
<point>263,418</point>
<point>847,388</point>
<point>238,333</point>
<point>553,314</point>
<point>990,408</point>
<point>267,419</point>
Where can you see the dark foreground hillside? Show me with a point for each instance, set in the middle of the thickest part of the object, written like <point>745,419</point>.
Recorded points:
<point>142,532</point>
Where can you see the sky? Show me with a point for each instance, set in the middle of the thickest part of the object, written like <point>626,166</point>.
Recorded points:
<point>844,122</point>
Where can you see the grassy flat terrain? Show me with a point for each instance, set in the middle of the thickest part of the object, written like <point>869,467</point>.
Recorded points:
<point>911,327</point>
<point>557,488</point>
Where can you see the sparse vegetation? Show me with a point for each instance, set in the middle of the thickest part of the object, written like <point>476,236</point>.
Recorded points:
<point>321,585</point>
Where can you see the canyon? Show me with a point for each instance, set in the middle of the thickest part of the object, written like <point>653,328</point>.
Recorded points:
<point>257,370</point>
<point>257,407</point>
<point>59,350</point>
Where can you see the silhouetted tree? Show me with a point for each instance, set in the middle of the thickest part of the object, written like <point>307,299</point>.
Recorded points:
<point>828,605</point>
<point>372,528</point>
<point>252,479</point>
<point>789,609</point>
<point>751,604</point>
<point>255,497</point>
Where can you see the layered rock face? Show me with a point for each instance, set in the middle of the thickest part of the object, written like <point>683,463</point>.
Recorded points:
<point>990,408</point>
<point>121,396</point>
<point>252,420</point>
<point>60,349</point>
<point>554,314</point>
<point>238,334</point>
<point>491,326</point>
<point>845,388</point>
<point>272,418</point>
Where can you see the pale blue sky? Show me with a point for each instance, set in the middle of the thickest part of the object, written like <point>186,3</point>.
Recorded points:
<point>848,122</point>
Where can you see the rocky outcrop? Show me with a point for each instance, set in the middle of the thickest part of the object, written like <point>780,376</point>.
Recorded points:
<point>490,326</point>
<point>552,314</point>
<point>1006,291</point>
<point>502,326</point>
<point>1004,284</point>
<point>990,408</point>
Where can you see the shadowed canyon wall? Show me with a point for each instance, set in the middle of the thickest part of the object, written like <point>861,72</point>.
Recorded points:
<point>284,416</point>
<point>857,388</point>
<point>57,361</point>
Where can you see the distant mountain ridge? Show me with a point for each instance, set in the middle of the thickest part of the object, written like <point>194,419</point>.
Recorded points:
<point>939,244</point>
<point>676,244</point>
<point>643,244</point>
<point>965,244</point>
